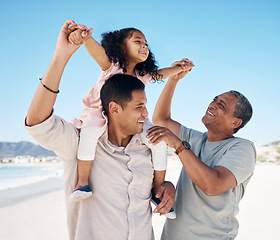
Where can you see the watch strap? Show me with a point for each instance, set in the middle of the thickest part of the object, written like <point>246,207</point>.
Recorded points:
<point>180,149</point>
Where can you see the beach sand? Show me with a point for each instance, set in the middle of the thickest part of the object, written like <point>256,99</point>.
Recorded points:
<point>44,217</point>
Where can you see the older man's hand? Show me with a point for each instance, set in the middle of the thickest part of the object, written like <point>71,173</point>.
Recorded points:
<point>157,134</point>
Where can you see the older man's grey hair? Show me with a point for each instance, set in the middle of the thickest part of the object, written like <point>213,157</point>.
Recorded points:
<point>243,109</point>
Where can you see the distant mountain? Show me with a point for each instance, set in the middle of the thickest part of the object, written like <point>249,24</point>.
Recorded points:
<point>269,152</point>
<point>11,149</point>
<point>277,143</point>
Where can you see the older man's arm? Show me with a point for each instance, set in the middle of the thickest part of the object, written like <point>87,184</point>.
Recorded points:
<point>212,181</point>
<point>162,112</point>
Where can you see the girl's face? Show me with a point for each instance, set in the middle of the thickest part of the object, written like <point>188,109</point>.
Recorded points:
<point>136,48</point>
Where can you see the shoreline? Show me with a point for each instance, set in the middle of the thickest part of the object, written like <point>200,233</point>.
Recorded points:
<point>31,164</point>
<point>19,194</point>
<point>42,217</point>
<point>41,214</point>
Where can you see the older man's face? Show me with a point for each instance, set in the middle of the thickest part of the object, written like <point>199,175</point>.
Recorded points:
<point>219,114</point>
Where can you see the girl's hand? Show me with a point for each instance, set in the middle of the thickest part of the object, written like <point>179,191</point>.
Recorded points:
<point>63,45</point>
<point>80,34</point>
<point>185,64</point>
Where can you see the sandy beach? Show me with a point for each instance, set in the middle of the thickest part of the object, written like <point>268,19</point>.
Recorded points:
<point>43,216</point>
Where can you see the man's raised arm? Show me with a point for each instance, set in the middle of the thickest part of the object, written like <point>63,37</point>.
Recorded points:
<point>45,95</point>
<point>162,112</point>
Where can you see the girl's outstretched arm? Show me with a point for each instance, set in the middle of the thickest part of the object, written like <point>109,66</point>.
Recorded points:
<point>180,66</point>
<point>95,50</point>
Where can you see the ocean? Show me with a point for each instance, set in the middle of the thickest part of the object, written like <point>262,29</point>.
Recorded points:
<point>13,176</point>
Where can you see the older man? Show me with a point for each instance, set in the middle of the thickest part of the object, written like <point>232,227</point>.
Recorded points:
<point>122,172</point>
<point>216,165</point>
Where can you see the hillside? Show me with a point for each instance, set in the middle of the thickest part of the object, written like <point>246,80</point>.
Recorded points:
<point>12,149</point>
<point>265,153</point>
<point>269,153</point>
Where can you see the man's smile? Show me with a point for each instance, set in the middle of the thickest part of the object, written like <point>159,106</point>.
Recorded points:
<point>209,113</point>
<point>141,121</point>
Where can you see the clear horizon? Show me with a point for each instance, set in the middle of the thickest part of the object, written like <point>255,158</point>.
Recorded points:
<point>234,46</point>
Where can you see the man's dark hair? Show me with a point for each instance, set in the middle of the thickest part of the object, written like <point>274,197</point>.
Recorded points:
<point>243,109</point>
<point>119,88</point>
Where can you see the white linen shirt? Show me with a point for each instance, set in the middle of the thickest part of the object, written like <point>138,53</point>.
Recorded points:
<point>121,180</point>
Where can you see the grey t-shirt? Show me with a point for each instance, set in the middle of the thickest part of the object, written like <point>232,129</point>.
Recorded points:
<point>210,217</point>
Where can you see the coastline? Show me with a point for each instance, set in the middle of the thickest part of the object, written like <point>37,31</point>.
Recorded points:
<point>55,163</point>
<point>19,194</point>
<point>43,215</point>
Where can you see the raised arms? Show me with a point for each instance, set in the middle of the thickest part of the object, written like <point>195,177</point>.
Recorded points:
<point>162,112</point>
<point>43,100</point>
<point>95,50</point>
<point>212,181</point>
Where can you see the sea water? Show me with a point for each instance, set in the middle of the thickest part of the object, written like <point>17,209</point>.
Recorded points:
<point>16,176</point>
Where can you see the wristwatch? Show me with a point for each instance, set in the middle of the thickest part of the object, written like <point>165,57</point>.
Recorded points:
<point>184,145</point>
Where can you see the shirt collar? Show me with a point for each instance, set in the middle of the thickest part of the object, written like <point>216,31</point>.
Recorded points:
<point>111,148</point>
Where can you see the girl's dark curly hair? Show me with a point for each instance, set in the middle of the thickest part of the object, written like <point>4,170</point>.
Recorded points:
<point>114,44</point>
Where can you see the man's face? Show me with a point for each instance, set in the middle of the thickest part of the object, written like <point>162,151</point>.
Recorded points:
<point>219,115</point>
<point>131,118</point>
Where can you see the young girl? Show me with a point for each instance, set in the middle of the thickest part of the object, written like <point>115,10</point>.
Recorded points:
<point>123,51</point>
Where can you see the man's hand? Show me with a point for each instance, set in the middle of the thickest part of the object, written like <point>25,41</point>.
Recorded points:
<point>186,66</point>
<point>166,193</point>
<point>78,36</point>
<point>63,45</point>
<point>157,134</point>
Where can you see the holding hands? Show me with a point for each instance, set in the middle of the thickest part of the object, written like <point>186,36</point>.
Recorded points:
<point>179,68</point>
<point>186,66</point>
<point>80,34</point>
<point>63,45</point>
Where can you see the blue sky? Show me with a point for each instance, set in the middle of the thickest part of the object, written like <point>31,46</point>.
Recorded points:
<point>233,44</point>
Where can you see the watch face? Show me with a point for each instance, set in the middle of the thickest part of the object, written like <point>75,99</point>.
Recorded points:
<point>186,144</point>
